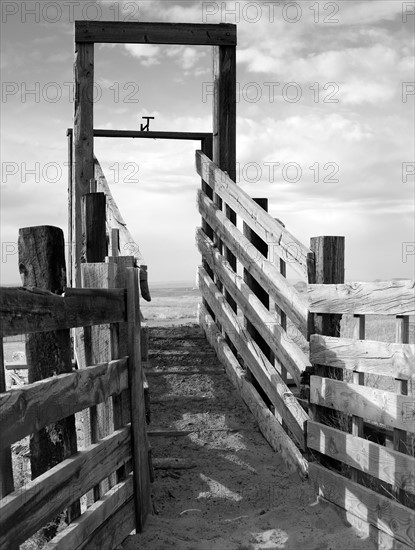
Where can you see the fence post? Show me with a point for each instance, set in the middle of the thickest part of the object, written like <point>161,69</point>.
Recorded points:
<point>42,264</point>
<point>139,441</point>
<point>327,268</point>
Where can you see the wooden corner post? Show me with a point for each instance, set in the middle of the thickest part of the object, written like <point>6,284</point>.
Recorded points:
<point>83,146</point>
<point>224,126</point>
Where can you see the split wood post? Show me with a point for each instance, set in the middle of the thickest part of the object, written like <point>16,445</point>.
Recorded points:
<point>327,267</point>
<point>97,347</point>
<point>69,265</point>
<point>260,292</point>
<point>224,129</point>
<point>142,497</point>
<point>401,388</point>
<point>42,265</point>
<point>83,146</point>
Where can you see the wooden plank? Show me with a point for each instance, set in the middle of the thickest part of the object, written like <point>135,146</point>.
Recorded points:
<point>133,32</point>
<point>6,468</point>
<point>192,136</point>
<point>115,220</point>
<point>142,497</point>
<point>380,298</point>
<point>280,291</point>
<point>364,455</point>
<point>397,411</point>
<point>385,514</point>
<point>27,310</point>
<point>28,408</point>
<point>268,424</point>
<point>27,509</point>
<point>368,356</point>
<point>77,534</point>
<point>281,241</point>
<point>83,144</point>
<point>266,375</point>
<point>265,322</point>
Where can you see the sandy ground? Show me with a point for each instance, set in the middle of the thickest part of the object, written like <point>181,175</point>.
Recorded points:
<point>235,492</point>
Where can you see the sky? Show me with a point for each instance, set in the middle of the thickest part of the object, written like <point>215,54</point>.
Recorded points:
<point>325,124</point>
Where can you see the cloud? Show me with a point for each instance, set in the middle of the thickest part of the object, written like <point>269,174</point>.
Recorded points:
<point>149,54</point>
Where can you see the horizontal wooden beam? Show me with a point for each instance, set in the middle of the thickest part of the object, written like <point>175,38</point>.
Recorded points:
<point>132,32</point>
<point>381,512</point>
<point>265,322</point>
<point>369,356</point>
<point>42,499</point>
<point>384,407</point>
<point>79,530</point>
<point>281,242</point>
<point>191,136</point>
<point>27,310</point>
<point>381,298</point>
<point>272,430</point>
<point>29,408</point>
<point>265,373</point>
<point>264,271</point>
<point>386,464</point>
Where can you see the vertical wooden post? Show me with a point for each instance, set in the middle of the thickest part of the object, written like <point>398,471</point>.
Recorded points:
<point>83,145</point>
<point>138,416</point>
<point>94,206</point>
<point>401,387</point>
<point>224,127</point>
<point>70,206</point>
<point>42,264</point>
<point>327,268</point>
<point>358,378</point>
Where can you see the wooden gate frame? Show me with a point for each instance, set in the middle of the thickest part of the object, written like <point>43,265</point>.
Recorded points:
<point>223,39</point>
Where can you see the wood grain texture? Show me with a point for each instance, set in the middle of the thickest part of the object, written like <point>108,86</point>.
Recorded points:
<point>31,407</point>
<point>267,376</point>
<point>83,146</point>
<point>369,356</point>
<point>27,310</point>
<point>77,534</point>
<point>6,469</point>
<point>390,409</point>
<point>267,274</point>
<point>265,322</point>
<point>385,514</point>
<point>192,136</point>
<point>142,495</point>
<point>133,32</point>
<point>25,510</point>
<point>268,424</point>
<point>380,298</point>
<point>281,241</point>
<point>378,461</point>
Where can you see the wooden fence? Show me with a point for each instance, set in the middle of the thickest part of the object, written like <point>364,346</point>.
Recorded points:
<point>246,317</point>
<point>29,408</point>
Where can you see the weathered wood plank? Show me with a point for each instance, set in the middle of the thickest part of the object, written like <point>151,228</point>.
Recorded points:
<point>83,146</point>
<point>6,468</point>
<point>133,32</point>
<point>281,241</point>
<point>267,274</point>
<point>378,461</point>
<point>192,136</point>
<point>381,298</point>
<point>29,408</point>
<point>139,442</point>
<point>27,310</point>
<point>267,376</point>
<point>385,514</point>
<point>396,411</point>
<point>77,534</point>
<point>27,509</point>
<point>268,424</point>
<point>265,322</point>
<point>369,356</point>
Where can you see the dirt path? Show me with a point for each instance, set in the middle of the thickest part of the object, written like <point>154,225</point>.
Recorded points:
<point>234,492</point>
